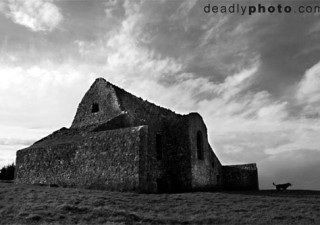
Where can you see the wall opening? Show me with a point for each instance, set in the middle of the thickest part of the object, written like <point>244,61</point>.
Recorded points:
<point>95,108</point>
<point>200,145</point>
<point>212,164</point>
<point>159,146</point>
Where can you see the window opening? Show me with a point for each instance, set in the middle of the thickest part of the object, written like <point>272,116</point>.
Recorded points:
<point>159,146</point>
<point>200,145</point>
<point>95,108</point>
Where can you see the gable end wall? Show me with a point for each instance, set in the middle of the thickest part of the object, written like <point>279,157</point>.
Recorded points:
<point>206,172</point>
<point>104,160</point>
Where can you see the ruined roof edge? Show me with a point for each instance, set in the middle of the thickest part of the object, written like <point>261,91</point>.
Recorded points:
<point>119,90</point>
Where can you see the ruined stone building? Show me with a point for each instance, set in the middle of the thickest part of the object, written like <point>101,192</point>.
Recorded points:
<point>120,142</point>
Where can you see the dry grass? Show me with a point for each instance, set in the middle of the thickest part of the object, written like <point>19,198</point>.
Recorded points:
<point>28,204</point>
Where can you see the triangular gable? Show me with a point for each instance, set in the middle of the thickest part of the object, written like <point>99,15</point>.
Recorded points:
<point>99,105</point>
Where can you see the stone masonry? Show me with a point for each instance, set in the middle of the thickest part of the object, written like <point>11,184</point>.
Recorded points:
<point>121,142</point>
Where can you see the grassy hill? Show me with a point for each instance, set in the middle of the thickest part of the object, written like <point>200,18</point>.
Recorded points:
<point>30,204</point>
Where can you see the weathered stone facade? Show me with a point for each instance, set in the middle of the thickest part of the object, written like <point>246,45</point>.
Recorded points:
<point>120,142</point>
<point>240,177</point>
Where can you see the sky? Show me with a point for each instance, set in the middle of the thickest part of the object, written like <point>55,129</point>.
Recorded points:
<point>255,79</point>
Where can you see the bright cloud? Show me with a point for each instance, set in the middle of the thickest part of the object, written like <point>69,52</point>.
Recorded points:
<point>35,101</point>
<point>308,88</point>
<point>40,91</point>
<point>37,15</point>
<point>13,138</point>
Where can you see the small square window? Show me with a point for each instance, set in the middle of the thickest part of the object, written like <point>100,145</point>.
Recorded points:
<point>95,108</point>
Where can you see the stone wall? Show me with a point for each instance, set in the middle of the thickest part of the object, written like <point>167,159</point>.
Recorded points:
<point>206,171</point>
<point>101,160</point>
<point>113,144</point>
<point>176,163</point>
<point>240,177</point>
<point>142,111</point>
<point>172,173</point>
<point>102,94</point>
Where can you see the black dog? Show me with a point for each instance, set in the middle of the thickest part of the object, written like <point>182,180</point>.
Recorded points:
<point>280,187</point>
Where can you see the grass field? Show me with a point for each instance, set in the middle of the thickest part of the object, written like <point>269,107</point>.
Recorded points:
<point>28,204</point>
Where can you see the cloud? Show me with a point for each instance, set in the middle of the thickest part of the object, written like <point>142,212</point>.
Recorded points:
<point>308,88</point>
<point>302,134</point>
<point>128,63</point>
<point>308,92</point>
<point>22,138</point>
<point>31,95</point>
<point>184,10</point>
<point>8,154</point>
<point>275,111</point>
<point>315,28</point>
<point>13,138</point>
<point>37,15</point>
<point>2,6</point>
<point>113,8</point>
<point>37,100</point>
<point>7,141</point>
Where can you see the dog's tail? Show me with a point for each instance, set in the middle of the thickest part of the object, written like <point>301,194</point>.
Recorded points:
<point>274,184</point>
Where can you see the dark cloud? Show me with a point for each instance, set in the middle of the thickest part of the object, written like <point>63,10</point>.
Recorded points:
<point>279,47</point>
<point>218,45</point>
